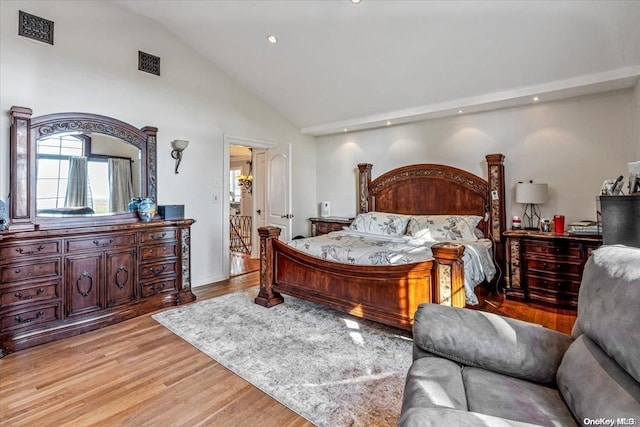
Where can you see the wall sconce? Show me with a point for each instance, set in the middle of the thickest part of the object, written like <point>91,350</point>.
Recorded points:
<point>178,145</point>
<point>531,195</point>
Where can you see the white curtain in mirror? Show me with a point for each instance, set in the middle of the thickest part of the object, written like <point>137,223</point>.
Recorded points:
<point>78,189</point>
<point>120,186</point>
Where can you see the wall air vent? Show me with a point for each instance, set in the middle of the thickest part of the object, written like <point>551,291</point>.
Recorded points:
<point>34,27</point>
<point>148,63</point>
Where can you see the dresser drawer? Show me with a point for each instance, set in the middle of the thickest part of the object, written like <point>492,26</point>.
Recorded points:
<point>30,317</point>
<point>158,269</point>
<point>159,235</point>
<point>35,269</point>
<point>35,248</point>
<point>553,249</point>
<point>30,292</point>
<point>554,266</point>
<point>552,284</point>
<point>153,252</point>
<point>153,288</point>
<point>100,242</point>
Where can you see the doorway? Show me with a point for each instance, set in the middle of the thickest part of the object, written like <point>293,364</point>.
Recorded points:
<point>244,202</point>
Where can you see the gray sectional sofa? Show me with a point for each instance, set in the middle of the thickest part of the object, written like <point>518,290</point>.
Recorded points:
<point>473,368</point>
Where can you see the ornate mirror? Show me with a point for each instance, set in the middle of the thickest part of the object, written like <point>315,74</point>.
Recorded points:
<point>79,169</point>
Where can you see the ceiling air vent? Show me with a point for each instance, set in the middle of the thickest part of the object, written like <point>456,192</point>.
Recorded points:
<point>148,63</point>
<point>34,27</point>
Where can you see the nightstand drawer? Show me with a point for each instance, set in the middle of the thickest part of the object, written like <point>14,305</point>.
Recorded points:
<point>554,249</point>
<point>553,284</point>
<point>554,266</point>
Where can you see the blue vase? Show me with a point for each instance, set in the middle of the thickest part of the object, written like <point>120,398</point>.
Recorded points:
<point>133,204</point>
<point>146,209</point>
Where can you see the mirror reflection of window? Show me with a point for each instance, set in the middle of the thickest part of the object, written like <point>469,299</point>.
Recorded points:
<point>53,169</point>
<point>64,186</point>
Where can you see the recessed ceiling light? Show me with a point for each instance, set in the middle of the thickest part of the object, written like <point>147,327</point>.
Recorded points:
<point>355,1</point>
<point>459,111</point>
<point>388,123</point>
<point>345,129</point>
<point>535,98</point>
<point>272,39</point>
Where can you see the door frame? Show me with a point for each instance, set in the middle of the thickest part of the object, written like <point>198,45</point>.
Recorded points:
<point>226,199</point>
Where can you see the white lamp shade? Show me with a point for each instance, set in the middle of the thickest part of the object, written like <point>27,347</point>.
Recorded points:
<point>179,144</point>
<point>528,192</point>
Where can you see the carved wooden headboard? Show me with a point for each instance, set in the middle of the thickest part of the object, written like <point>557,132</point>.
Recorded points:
<point>424,189</point>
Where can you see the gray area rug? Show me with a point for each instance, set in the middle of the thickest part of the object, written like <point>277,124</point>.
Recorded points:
<point>329,367</point>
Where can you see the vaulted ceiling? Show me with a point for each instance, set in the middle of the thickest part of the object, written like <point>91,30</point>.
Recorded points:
<point>341,65</point>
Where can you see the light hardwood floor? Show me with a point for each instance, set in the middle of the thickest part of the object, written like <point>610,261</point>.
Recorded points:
<point>138,373</point>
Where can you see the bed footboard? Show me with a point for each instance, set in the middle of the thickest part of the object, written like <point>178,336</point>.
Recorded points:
<point>388,294</point>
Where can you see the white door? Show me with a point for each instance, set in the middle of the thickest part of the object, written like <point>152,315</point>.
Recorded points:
<point>279,204</point>
<point>259,198</point>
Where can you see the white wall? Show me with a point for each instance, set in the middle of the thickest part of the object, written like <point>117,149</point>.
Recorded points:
<point>636,118</point>
<point>92,67</point>
<point>573,145</point>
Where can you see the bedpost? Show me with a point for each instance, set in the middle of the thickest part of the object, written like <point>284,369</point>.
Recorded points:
<point>364,202</point>
<point>449,280</point>
<point>497,208</point>
<point>267,296</point>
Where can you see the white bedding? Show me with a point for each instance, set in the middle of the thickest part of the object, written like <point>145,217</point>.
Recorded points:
<point>353,247</point>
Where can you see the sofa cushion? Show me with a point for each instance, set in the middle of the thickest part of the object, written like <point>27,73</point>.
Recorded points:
<point>514,399</point>
<point>438,417</point>
<point>608,304</point>
<point>486,340</point>
<point>594,385</point>
<point>434,381</point>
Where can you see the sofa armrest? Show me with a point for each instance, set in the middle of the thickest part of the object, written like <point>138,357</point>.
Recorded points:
<point>427,417</point>
<point>489,341</point>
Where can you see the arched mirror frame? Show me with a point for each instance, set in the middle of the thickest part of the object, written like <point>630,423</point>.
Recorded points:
<point>25,132</point>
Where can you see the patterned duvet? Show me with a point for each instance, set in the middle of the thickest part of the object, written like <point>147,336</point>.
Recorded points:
<point>353,247</point>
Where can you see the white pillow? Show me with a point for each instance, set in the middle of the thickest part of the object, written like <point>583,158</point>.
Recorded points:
<point>444,227</point>
<point>381,223</point>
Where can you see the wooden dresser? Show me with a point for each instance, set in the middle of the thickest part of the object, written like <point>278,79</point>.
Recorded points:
<point>547,267</point>
<point>324,225</point>
<point>59,283</point>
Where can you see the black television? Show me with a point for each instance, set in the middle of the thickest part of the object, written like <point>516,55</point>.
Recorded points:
<point>620,216</point>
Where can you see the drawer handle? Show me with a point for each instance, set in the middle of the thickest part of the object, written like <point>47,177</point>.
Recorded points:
<point>159,270</point>
<point>155,237</point>
<point>103,244</point>
<point>22,251</point>
<point>20,296</point>
<point>19,319</point>
<point>154,289</point>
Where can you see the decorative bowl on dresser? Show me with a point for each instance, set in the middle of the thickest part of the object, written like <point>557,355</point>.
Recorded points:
<point>64,274</point>
<point>546,267</point>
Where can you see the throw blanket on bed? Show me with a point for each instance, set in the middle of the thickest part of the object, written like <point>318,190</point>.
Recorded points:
<point>352,247</point>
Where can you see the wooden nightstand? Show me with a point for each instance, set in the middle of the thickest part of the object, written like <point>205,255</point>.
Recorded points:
<point>328,224</point>
<point>547,267</point>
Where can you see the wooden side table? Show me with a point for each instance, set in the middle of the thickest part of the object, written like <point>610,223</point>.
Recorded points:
<point>547,267</point>
<point>328,224</point>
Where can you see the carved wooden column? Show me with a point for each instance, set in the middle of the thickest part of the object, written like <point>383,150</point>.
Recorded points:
<point>152,173</point>
<point>497,208</point>
<point>22,210</point>
<point>364,202</point>
<point>449,288</point>
<point>267,296</point>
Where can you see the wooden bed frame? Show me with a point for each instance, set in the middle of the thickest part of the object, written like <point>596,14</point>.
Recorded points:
<point>391,294</point>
